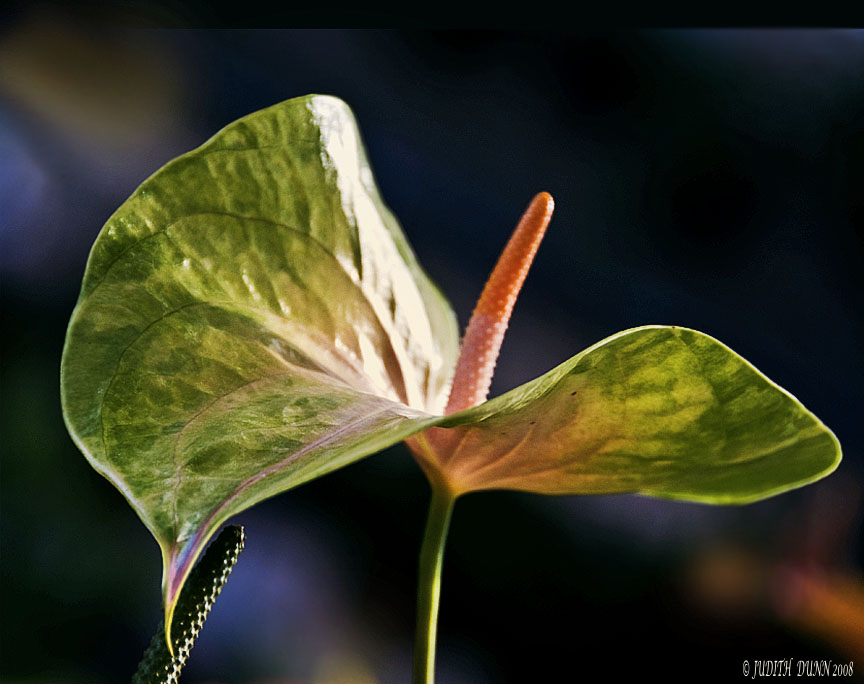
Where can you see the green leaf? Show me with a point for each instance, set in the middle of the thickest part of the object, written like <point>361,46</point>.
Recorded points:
<point>250,318</point>
<point>663,411</point>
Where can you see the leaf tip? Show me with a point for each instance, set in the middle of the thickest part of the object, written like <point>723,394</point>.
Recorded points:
<point>195,589</point>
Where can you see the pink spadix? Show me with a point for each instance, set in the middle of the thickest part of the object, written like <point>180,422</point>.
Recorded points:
<point>437,449</point>
<point>488,323</point>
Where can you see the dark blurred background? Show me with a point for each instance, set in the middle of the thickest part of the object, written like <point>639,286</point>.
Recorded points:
<point>707,178</point>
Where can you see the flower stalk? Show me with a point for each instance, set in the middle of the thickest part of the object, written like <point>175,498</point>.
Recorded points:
<point>471,381</point>
<point>429,589</point>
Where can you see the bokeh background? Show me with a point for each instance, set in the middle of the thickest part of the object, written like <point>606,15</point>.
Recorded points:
<point>707,178</point>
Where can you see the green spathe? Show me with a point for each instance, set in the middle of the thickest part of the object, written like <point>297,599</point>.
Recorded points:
<point>658,410</point>
<point>252,317</point>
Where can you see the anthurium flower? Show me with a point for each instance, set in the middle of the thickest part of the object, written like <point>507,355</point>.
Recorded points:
<point>252,318</point>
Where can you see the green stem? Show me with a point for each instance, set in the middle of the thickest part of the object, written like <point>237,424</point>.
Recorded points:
<point>429,588</point>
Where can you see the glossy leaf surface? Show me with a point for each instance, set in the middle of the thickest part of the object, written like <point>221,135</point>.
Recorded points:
<point>664,411</point>
<point>251,318</point>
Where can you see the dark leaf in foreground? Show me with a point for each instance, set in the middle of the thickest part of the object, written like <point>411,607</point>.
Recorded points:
<point>159,666</point>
